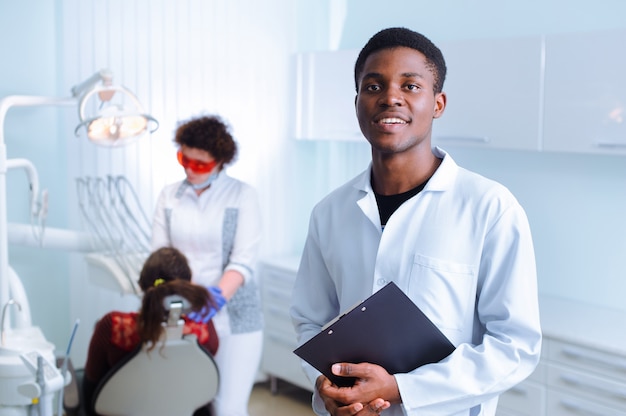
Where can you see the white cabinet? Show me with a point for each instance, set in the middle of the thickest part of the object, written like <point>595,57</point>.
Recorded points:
<point>559,92</point>
<point>494,89</point>
<point>585,93</point>
<point>585,380</point>
<point>571,379</point>
<point>527,398</point>
<point>583,365</point>
<point>325,93</point>
<point>279,336</point>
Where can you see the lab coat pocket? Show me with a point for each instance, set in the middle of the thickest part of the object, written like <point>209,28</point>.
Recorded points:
<point>443,290</point>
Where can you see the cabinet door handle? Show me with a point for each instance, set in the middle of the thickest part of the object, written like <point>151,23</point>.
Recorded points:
<point>574,381</point>
<point>473,139</point>
<point>341,133</point>
<point>518,390</point>
<point>282,339</point>
<point>611,145</point>
<point>276,293</point>
<point>280,312</point>
<point>579,408</point>
<point>581,355</point>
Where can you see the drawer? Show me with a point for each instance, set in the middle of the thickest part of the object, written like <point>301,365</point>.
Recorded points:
<point>584,358</point>
<point>540,373</point>
<point>592,386</point>
<point>287,341</point>
<point>563,404</point>
<point>276,295</point>
<point>527,398</point>
<point>501,411</point>
<point>278,317</point>
<point>278,277</point>
<point>279,360</point>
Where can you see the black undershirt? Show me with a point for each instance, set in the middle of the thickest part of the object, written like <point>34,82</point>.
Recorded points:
<point>388,204</point>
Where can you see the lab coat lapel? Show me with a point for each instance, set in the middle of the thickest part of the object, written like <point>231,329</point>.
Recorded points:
<point>367,203</point>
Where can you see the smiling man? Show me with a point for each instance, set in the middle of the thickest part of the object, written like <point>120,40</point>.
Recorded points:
<point>458,244</point>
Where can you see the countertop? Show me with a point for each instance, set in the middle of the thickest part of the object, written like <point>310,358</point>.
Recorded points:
<point>562,319</point>
<point>589,325</point>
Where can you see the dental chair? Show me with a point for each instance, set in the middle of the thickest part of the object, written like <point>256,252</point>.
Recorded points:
<point>176,377</point>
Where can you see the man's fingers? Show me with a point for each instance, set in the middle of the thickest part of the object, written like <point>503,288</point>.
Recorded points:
<point>342,369</point>
<point>362,370</point>
<point>377,406</point>
<point>349,410</point>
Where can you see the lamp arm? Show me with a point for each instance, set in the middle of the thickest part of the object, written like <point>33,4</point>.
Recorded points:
<point>6,103</point>
<point>104,75</point>
<point>154,120</point>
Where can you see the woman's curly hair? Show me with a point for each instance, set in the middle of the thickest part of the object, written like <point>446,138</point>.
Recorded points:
<point>208,133</point>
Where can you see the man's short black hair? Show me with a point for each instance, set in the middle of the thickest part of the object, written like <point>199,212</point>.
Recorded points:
<point>397,37</point>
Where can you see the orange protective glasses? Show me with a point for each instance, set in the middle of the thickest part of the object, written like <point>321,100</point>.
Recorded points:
<point>195,165</point>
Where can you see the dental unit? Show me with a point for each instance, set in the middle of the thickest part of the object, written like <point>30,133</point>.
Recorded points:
<point>29,379</point>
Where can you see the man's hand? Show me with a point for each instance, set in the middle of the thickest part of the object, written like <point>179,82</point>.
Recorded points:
<point>374,390</point>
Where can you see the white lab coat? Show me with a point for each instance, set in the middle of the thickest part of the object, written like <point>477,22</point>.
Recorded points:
<point>193,224</point>
<point>218,230</point>
<point>462,250</point>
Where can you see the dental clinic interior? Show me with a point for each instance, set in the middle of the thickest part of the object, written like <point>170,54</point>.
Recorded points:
<point>536,100</point>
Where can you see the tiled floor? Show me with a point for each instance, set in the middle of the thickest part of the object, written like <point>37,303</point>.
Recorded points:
<point>289,401</point>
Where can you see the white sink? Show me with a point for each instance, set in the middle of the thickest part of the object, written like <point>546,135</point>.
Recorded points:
<point>18,341</point>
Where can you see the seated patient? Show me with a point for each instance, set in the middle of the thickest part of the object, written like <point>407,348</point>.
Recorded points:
<point>165,272</point>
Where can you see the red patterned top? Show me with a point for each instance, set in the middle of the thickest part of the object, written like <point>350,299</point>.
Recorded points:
<point>125,336</point>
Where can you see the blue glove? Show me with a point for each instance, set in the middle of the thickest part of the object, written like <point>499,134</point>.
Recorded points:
<point>209,311</point>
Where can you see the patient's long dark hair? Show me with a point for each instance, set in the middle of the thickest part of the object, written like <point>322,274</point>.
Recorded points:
<point>165,272</point>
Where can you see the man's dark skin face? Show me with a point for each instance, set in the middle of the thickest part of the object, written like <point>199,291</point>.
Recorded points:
<point>396,105</point>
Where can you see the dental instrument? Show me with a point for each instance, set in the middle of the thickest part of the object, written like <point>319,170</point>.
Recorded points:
<point>66,357</point>
<point>118,225</point>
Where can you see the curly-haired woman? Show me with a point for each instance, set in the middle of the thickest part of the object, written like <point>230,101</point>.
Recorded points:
<point>214,219</point>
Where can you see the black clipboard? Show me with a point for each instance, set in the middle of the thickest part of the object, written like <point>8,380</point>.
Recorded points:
<point>387,329</point>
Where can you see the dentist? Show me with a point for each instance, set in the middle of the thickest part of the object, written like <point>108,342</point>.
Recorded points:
<point>215,221</point>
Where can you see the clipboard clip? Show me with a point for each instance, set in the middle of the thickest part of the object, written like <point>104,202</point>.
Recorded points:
<point>338,317</point>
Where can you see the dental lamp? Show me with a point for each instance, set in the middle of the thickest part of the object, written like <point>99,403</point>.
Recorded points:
<point>114,123</point>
